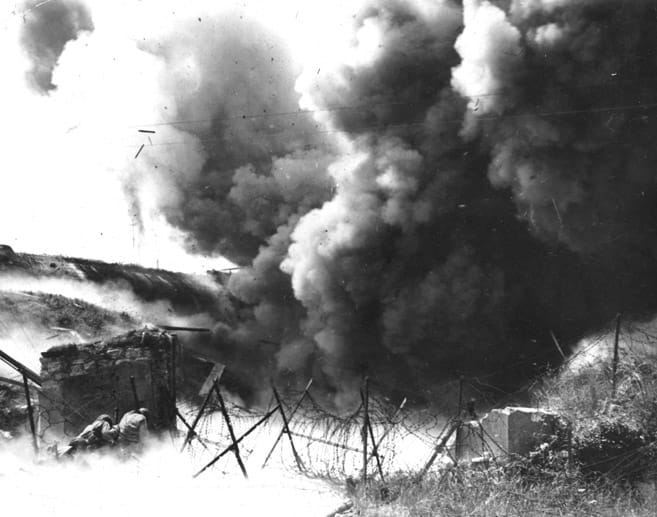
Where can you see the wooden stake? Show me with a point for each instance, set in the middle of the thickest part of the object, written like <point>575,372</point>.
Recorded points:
<point>286,428</point>
<point>173,374</point>
<point>30,413</point>
<point>192,431</point>
<point>266,417</point>
<point>387,431</point>
<point>12,382</point>
<point>224,412</point>
<point>614,366</point>
<point>292,413</point>
<point>365,397</point>
<point>439,448</point>
<point>375,451</point>
<point>20,368</point>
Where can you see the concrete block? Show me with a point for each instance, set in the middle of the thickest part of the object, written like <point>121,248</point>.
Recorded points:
<point>503,432</point>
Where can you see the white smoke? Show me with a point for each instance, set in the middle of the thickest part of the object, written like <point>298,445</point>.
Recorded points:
<point>25,337</point>
<point>157,483</point>
<point>488,45</point>
<point>114,296</point>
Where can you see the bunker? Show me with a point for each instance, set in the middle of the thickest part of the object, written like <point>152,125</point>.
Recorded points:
<point>80,382</point>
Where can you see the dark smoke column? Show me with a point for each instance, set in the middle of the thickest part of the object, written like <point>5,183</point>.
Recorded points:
<point>462,232</point>
<point>48,28</point>
<point>403,273</point>
<point>474,176</point>
<point>564,96</point>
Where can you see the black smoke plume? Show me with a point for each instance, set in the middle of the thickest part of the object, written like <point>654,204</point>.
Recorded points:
<point>491,180</point>
<point>568,118</point>
<point>47,29</point>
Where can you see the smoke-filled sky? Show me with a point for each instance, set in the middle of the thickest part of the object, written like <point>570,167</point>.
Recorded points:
<point>415,189</point>
<point>81,77</point>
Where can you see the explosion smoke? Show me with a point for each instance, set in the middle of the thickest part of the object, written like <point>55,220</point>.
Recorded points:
<point>417,266</point>
<point>240,92</point>
<point>468,177</point>
<point>46,31</point>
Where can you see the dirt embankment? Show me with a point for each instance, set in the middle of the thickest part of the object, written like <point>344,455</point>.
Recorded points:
<point>187,294</point>
<point>50,300</point>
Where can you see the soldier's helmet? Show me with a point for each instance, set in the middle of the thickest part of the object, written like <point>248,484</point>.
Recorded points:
<point>106,418</point>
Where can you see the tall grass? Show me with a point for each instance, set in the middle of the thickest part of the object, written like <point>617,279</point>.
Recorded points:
<point>613,432</point>
<point>603,461</point>
<point>500,491</point>
<point>585,397</point>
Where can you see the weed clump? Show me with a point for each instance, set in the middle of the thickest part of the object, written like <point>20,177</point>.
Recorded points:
<point>613,431</point>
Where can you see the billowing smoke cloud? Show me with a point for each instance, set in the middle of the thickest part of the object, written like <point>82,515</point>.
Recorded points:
<point>48,27</point>
<point>565,97</point>
<point>418,267</point>
<point>407,250</point>
<point>403,273</point>
<point>262,165</point>
<point>235,94</point>
<point>464,178</point>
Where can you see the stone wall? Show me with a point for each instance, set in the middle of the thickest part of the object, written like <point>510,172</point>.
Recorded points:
<point>81,382</point>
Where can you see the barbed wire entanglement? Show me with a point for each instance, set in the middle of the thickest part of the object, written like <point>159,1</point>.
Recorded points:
<point>326,443</point>
<point>386,437</point>
<point>375,437</point>
<point>321,442</point>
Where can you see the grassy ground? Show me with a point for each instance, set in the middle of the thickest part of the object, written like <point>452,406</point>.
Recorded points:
<point>40,312</point>
<point>188,294</point>
<point>496,492</point>
<point>611,469</point>
<point>51,310</point>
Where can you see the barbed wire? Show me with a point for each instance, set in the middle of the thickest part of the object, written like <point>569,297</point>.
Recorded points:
<point>329,442</point>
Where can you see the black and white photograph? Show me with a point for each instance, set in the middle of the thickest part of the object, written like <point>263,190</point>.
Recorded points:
<point>328,258</point>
